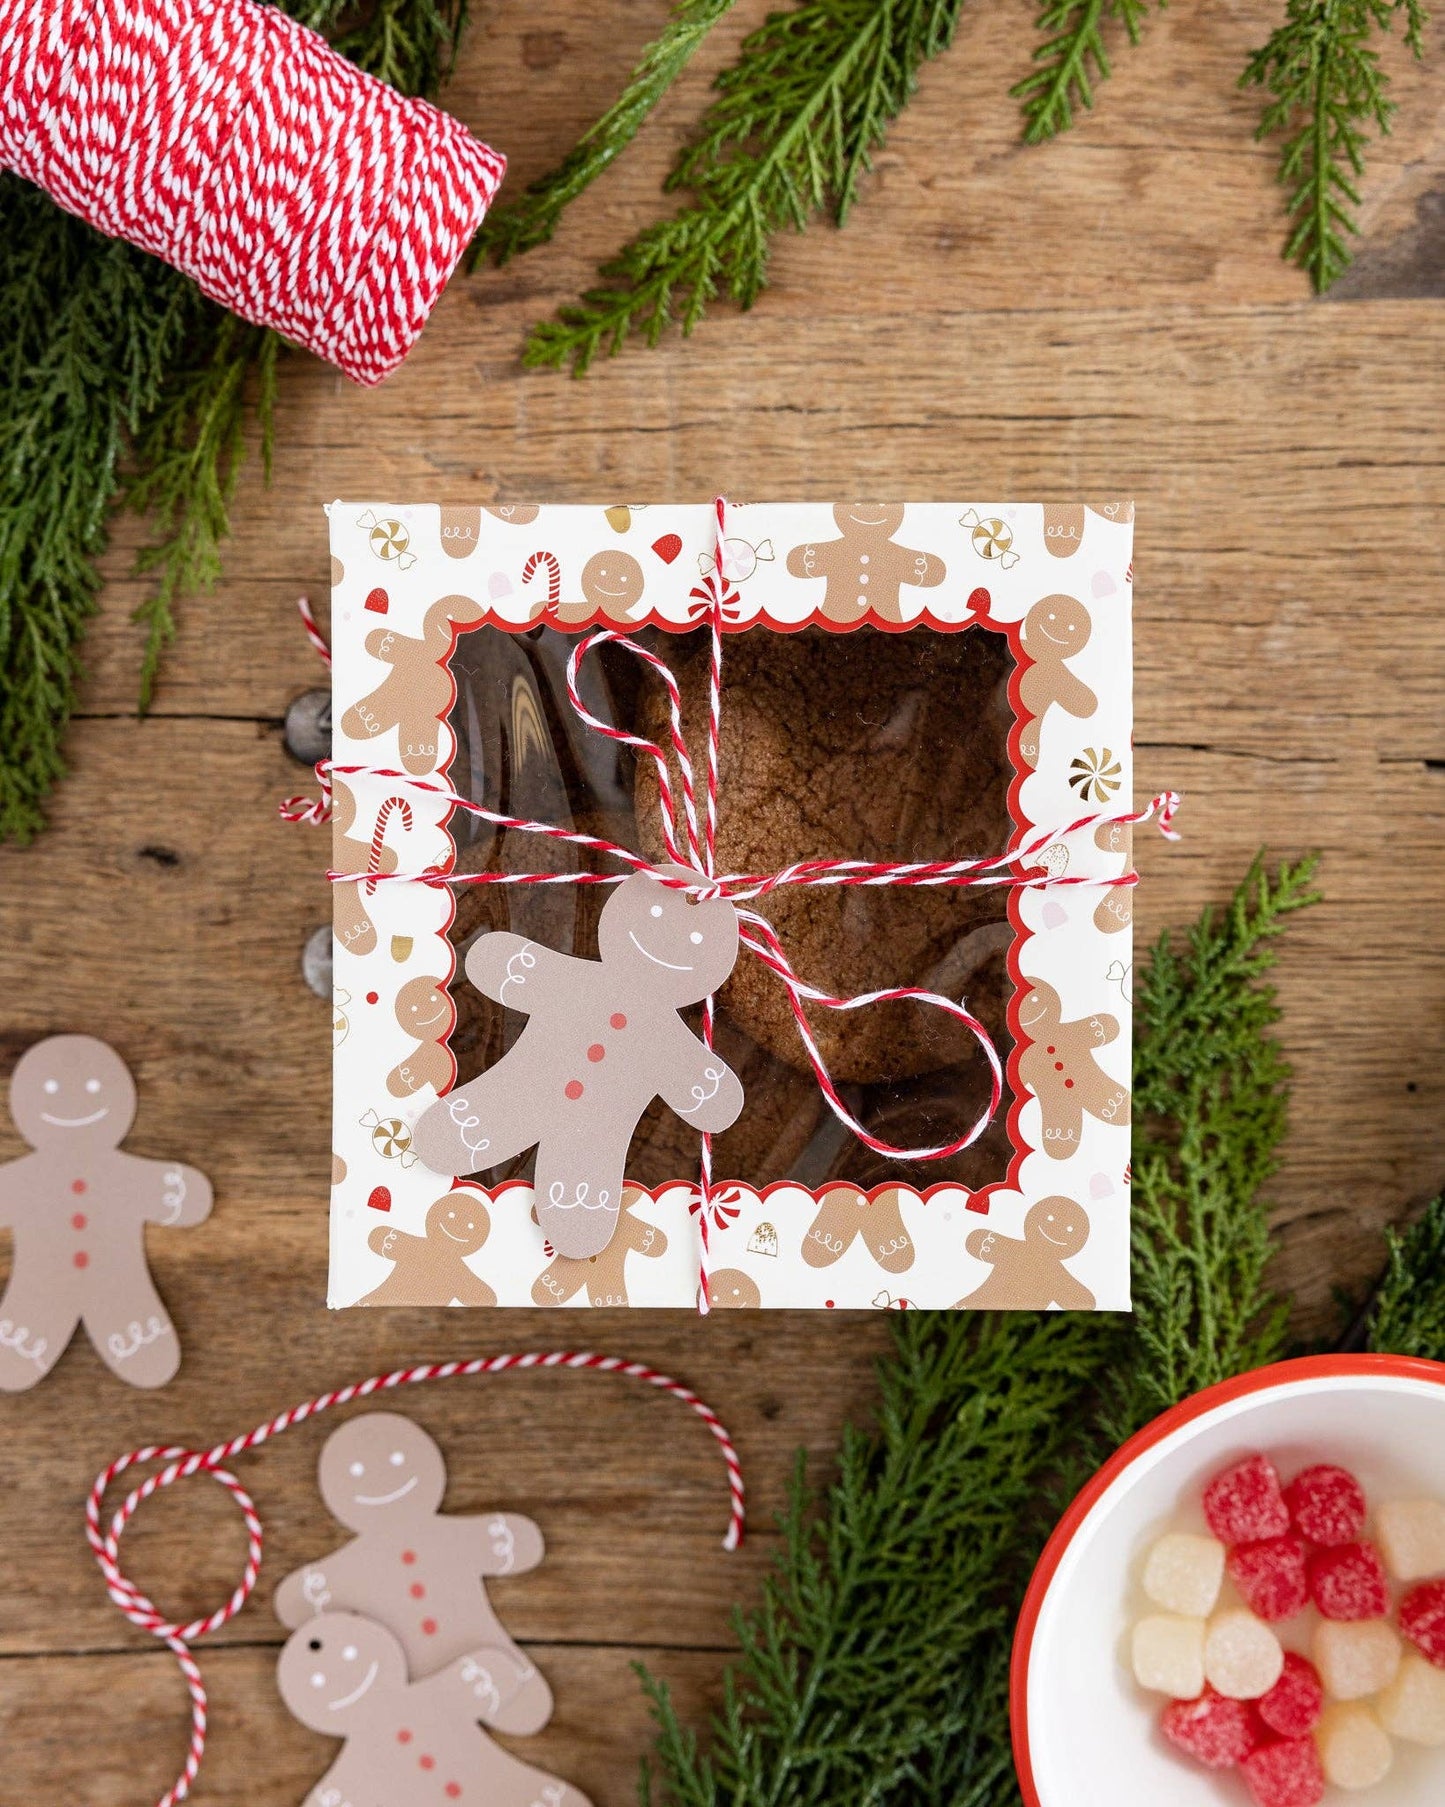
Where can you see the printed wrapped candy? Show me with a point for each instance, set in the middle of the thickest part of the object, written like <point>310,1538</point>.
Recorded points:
<point>608,786</point>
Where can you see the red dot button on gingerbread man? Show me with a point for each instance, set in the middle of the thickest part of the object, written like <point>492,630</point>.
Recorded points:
<point>415,1743</point>
<point>78,1207</point>
<point>412,1567</point>
<point>603,1039</point>
<point>1059,1068</point>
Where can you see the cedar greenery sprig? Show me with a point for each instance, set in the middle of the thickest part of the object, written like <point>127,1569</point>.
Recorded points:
<point>1074,44</point>
<point>521,225</point>
<point>874,1668</point>
<point>1409,1313</point>
<point>124,386</point>
<point>794,126</point>
<point>1322,71</point>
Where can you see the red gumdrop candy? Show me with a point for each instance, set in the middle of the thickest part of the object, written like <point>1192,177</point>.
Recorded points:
<point>1245,1503</point>
<point>1327,1505</point>
<point>1349,1582</point>
<point>1293,1706</point>
<point>1272,1576</point>
<point>1422,1619</point>
<point>1216,1732</point>
<point>1287,1774</point>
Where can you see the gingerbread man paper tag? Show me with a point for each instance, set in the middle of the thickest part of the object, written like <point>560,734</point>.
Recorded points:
<point>408,1741</point>
<point>77,1207</point>
<point>411,1567</point>
<point>603,1039</point>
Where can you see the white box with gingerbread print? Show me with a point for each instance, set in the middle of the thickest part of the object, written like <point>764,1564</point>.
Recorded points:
<point>928,682</point>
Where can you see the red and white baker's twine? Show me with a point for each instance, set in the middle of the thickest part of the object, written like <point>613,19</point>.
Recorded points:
<point>180,1462</point>
<point>237,145</point>
<point>1017,868</point>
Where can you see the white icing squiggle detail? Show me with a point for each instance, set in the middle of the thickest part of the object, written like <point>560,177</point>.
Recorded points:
<point>504,1542</point>
<point>462,1115</point>
<point>16,1337</point>
<point>174,1196</point>
<point>557,1197</point>
<point>123,1344</point>
<point>314,1590</point>
<point>480,1681</point>
<point>526,959</point>
<point>704,1094</point>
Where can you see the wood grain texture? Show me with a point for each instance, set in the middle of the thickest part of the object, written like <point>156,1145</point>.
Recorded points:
<point>1103,315</point>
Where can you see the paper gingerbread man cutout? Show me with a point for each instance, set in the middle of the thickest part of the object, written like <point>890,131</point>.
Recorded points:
<point>603,1276</point>
<point>603,1039</point>
<point>1055,628</point>
<point>415,1743</point>
<point>1030,1275</point>
<point>1115,909</point>
<point>866,567</point>
<point>412,1567</point>
<point>77,1207</point>
<point>845,1213</point>
<point>1059,1067</point>
<point>417,689</point>
<point>431,1269</point>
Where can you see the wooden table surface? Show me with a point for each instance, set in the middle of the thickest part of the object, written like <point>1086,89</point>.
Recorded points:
<point>1105,315</point>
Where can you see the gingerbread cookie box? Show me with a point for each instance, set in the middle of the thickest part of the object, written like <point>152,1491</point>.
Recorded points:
<point>450,630</point>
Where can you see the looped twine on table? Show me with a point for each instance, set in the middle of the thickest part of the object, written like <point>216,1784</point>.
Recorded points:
<point>104,1539</point>
<point>692,845</point>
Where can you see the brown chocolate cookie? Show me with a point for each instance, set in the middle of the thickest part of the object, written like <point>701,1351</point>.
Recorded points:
<point>865,745</point>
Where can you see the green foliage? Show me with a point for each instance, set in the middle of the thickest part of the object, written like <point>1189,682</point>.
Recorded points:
<point>1327,89</point>
<point>520,225</point>
<point>1074,45</point>
<point>1210,1108</point>
<point>874,1670</point>
<point>793,129</point>
<point>1409,1313</point>
<point>124,385</point>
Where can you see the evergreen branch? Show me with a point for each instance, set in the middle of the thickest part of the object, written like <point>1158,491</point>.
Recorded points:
<point>186,458</point>
<point>875,1668</point>
<point>1073,47</point>
<point>123,383</point>
<point>790,134</point>
<point>1409,1314</point>
<point>1327,89</point>
<point>520,225</point>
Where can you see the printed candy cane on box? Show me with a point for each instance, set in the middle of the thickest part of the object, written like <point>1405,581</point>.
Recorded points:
<point>105,1539</point>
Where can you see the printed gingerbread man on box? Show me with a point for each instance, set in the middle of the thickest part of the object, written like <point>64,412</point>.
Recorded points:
<point>1059,1068</point>
<point>412,1567</point>
<point>603,1039</point>
<point>77,1207</point>
<point>414,1743</point>
<point>866,567</point>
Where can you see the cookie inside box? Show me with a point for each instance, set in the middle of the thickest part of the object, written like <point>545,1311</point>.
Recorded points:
<point>868,745</point>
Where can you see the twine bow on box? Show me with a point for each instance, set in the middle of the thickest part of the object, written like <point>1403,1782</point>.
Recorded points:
<point>695,850</point>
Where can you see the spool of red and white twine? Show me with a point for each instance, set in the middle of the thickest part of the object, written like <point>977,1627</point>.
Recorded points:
<point>104,1539</point>
<point>238,146</point>
<point>1016,868</point>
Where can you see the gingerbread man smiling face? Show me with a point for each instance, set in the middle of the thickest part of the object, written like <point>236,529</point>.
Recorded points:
<point>78,1206</point>
<point>410,1566</point>
<point>417,1742</point>
<point>602,1041</point>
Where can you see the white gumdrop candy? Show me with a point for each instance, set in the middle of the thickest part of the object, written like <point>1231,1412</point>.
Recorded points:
<point>1242,1657</point>
<point>1183,1574</point>
<point>1355,1749</point>
<point>1413,1706</point>
<point>1411,1536</point>
<point>1356,1658</point>
<point>1168,1654</point>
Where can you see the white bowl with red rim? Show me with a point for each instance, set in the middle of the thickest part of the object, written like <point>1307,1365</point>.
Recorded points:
<point>1084,1733</point>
